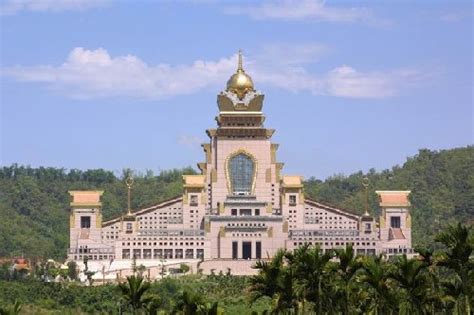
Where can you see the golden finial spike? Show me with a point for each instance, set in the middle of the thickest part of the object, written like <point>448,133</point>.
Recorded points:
<point>365,183</point>
<point>129,183</point>
<point>239,67</point>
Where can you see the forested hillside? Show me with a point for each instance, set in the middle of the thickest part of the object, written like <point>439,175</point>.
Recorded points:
<point>441,184</point>
<point>34,203</point>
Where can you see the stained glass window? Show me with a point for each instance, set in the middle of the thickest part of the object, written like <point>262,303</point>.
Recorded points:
<point>241,168</point>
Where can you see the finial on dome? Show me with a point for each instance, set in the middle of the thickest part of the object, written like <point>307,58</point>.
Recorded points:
<point>240,83</point>
<point>239,67</point>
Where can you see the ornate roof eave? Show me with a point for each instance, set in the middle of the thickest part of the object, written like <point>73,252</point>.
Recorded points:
<point>242,113</point>
<point>211,132</point>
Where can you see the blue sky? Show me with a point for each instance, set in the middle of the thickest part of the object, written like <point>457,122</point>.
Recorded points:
<point>348,85</point>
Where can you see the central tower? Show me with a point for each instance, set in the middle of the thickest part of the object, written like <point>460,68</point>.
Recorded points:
<point>243,213</point>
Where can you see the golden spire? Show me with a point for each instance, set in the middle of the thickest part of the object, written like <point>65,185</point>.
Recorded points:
<point>240,83</point>
<point>365,183</point>
<point>239,67</point>
<point>129,183</point>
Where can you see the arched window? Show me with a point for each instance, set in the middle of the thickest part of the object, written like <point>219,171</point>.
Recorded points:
<point>241,171</point>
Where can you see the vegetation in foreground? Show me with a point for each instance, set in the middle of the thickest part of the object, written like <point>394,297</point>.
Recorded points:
<point>303,281</point>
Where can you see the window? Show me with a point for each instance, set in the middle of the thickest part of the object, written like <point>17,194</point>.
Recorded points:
<point>85,222</point>
<point>234,250</point>
<point>258,250</point>
<point>129,228</point>
<point>241,171</point>
<point>193,200</point>
<point>257,211</point>
<point>292,200</point>
<point>395,222</point>
<point>233,211</point>
<point>368,227</point>
<point>245,211</point>
<point>247,250</point>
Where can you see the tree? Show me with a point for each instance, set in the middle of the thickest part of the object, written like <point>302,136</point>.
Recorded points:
<point>456,257</point>
<point>189,303</point>
<point>344,270</point>
<point>309,266</point>
<point>134,293</point>
<point>184,268</point>
<point>72,270</point>
<point>374,275</point>
<point>276,281</point>
<point>15,309</point>
<point>141,270</point>
<point>210,309</point>
<point>414,285</point>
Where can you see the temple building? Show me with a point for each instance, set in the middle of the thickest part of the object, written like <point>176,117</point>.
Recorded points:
<point>240,208</point>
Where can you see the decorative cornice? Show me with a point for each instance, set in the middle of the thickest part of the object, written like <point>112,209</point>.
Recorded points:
<point>211,132</point>
<point>85,205</point>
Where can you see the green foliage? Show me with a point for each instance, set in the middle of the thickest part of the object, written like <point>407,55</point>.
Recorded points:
<point>306,280</point>
<point>34,203</point>
<point>163,296</point>
<point>11,310</point>
<point>134,293</point>
<point>72,270</point>
<point>184,268</point>
<point>441,184</point>
<point>303,281</point>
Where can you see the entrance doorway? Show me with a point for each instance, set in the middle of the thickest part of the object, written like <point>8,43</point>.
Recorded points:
<point>246,250</point>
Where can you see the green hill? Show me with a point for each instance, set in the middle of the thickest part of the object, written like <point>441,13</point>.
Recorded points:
<point>34,203</point>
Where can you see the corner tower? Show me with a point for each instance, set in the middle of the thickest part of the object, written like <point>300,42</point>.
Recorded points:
<point>242,176</point>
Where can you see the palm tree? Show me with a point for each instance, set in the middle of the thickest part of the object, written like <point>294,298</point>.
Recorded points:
<point>344,270</point>
<point>452,289</point>
<point>413,279</point>
<point>275,280</point>
<point>210,309</point>
<point>309,265</point>
<point>134,293</point>
<point>374,275</point>
<point>189,303</point>
<point>438,299</point>
<point>459,244</point>
<point>15,309</point>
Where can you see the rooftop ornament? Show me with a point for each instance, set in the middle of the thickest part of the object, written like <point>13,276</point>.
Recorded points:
<point>129,182</point>
<point>365,183</point>
<point>240,83</point>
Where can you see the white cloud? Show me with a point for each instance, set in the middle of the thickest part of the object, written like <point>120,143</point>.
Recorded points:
<point>317,10</point>
<point>95,73</point>
<point>456,16</point>
<point>10,7</point>
<point>191,142</point>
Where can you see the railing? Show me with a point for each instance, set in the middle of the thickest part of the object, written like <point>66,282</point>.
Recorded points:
<point>157,232</point>
<point>245,228</point>
<point>249,218</point>
<point>91,251</point>
<point>296,233</point>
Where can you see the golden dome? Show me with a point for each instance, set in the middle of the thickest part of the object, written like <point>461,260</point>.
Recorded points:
<point>240,83</point>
